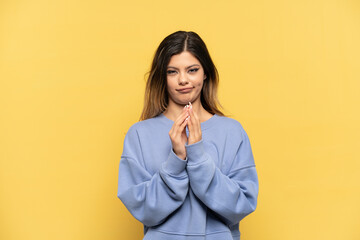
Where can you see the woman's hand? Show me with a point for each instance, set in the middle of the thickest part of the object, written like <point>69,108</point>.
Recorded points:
<point>194,126</point>
<point>178,134</point>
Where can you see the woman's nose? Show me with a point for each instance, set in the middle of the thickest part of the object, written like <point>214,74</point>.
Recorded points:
<point>182,79</point>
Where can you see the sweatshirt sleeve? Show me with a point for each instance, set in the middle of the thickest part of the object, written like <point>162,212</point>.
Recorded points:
<point>233,195</point>
<point>150,198</point>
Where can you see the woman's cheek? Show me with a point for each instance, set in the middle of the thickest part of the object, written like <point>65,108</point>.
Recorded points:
<point>200,85</point>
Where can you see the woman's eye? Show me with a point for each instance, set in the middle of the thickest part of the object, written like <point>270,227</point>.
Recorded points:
<point>170,72</point>
<point>193,70</point>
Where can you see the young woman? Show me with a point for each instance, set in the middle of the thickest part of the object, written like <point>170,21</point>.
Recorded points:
<point>187,172</point>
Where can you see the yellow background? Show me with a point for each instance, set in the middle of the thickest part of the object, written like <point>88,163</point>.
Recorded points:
<point>72,83</point>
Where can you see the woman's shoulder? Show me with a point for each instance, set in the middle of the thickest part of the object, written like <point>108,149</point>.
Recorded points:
<point>150,123</point>
<point>229,126</point>
<point>229,123</point>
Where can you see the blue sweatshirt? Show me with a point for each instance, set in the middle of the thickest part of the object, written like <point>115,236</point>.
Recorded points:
<point>202,197</point>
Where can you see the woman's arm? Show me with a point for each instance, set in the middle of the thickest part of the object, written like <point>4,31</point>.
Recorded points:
<point>233,195</point>
<point>150,198</point>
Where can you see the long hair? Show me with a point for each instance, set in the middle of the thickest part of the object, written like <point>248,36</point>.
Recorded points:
<point>156,95</point>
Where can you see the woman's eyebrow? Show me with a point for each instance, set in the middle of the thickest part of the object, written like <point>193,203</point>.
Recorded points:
<point>186,67</point>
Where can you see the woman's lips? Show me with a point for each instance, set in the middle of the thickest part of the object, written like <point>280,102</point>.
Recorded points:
<point>184,90</point>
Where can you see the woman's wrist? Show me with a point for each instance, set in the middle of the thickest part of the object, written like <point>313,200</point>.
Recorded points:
<point>181,155</point>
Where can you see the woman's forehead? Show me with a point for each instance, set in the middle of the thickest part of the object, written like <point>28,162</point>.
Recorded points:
<point>183,59</point>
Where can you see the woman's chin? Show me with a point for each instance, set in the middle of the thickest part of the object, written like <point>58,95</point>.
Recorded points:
<point>184,100</point>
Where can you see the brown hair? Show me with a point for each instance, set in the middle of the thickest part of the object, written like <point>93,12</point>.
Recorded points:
<point>156,95</point>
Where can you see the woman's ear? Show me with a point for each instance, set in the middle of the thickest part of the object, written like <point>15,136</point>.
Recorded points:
<point>204,76</point>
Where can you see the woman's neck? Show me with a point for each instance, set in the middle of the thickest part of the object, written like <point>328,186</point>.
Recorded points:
<point>174,110</point>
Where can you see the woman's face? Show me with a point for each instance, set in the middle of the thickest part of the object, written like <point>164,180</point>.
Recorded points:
<point>185,77</point>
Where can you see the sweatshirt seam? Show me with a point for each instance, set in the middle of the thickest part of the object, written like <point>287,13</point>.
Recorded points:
<point>133,160</point>
<point>242,168</point>
<point>128,157</point>
<point>189,234</point>
<point>225,207</point>
<point>182,176</point>
<point>195,164</point>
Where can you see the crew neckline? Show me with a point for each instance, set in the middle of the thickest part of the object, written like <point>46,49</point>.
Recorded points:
<point>204,125</point>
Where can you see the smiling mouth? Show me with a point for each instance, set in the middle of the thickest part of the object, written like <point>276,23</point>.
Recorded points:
<point>185,90</point>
